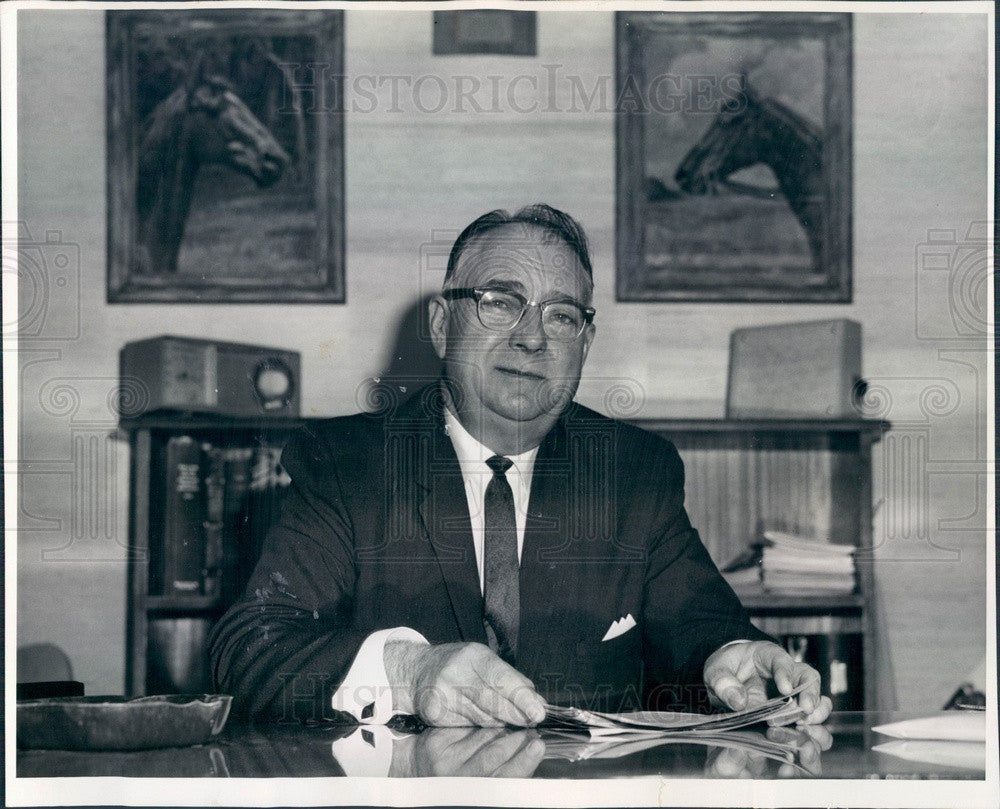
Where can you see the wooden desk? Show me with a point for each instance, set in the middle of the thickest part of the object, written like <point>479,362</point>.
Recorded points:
<point>320,751</point>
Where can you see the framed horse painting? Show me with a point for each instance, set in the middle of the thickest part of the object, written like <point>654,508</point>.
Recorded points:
<point>734,157</point>
<point>225,156</point>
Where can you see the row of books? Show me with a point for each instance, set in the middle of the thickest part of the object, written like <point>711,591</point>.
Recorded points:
<point>211,508</point>
<point>794,565</point>
<point>217,503</point>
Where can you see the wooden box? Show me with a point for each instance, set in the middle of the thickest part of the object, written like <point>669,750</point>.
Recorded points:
<point>795,370</point>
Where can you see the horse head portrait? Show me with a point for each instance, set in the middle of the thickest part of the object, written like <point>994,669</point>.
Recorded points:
<point>750,130</point>
<point>202,121</point>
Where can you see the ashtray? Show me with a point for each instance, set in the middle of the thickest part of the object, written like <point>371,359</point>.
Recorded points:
<point>117,723</point>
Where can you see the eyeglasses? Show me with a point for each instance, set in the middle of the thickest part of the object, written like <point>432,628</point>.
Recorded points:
<point>501,310</point>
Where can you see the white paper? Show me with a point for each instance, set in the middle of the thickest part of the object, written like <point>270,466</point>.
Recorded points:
<point>969,755</point>
<point>603,724</point>
<point>969,726</point>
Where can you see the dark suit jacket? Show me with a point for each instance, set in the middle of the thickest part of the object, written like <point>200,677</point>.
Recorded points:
<point>375,533</point>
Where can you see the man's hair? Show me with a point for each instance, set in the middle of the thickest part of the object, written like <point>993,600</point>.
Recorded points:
<point>553,221</point>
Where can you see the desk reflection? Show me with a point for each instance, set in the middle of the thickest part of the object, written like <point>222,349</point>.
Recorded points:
<point>845,747</point>
<point>491,753</point>
<point>477,752</point>
<point>376,751</point>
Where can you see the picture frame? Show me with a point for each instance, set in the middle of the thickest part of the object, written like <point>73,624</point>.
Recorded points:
<point>485,31</point>
<point>225,136</point>
<point>733,157</point>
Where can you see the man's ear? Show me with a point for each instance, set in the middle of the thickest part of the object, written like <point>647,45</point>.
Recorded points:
<point>437,311</point>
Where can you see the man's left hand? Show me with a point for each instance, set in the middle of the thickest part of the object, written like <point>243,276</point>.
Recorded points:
<point>738,673</point>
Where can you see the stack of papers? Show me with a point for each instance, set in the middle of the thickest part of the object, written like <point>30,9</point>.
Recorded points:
<point>575,734</point>
<point>779,710</point>
<point>572,747</point>
<point>796,565</point>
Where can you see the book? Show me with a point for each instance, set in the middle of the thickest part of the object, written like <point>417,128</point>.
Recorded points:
<point>237,465</point>
<point>212,573</point>
<point>183,539</point>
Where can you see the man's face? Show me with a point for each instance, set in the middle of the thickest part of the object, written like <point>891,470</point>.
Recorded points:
<point>514,382</point>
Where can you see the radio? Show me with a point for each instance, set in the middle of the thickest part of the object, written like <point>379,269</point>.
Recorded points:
<point>796,370</point>
<point>207,376</point>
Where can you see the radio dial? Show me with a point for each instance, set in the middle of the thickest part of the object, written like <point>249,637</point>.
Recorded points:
<point>273,383</point>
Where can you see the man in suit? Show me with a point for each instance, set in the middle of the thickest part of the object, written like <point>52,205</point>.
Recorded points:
<point>490,545</point>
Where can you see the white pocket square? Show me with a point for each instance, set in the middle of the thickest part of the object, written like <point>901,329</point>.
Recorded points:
<point>619,627</point>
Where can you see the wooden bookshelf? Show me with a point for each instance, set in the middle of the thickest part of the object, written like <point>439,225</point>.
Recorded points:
<point>758,601</point>
<point>872,428</point>
<point>797,475</point>
<point>741,475</point>
<point>147,436</point>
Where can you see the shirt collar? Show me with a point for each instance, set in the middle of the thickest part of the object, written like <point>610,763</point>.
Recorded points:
<point>472,452</point>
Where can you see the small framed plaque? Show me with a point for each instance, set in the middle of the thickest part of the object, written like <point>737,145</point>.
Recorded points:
<point>484,31</point>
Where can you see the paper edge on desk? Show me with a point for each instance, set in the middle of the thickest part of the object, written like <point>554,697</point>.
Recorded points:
<point>957,726</point>
<point>964,754</point>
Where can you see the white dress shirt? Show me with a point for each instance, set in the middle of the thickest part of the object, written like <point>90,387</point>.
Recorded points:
<point>365,692</point>
<point>472,458</point>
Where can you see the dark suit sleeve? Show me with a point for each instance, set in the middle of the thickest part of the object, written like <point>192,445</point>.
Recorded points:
<point>283,648</point>
<point>689,609</point>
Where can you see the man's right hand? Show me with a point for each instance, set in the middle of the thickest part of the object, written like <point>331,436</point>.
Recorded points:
<point>455,684</point>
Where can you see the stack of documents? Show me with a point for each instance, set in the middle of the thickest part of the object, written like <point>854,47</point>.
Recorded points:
<point>572,746</point>
<point>795,565</point>
<point>576,734</point>
<point>780,710</point>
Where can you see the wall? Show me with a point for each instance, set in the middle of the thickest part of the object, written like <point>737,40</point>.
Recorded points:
<point>920,152</point>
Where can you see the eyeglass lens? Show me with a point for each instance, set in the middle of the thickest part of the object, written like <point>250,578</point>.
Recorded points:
<point>501,311</point>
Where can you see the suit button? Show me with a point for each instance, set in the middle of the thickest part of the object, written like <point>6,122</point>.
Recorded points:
<point>581,649</point>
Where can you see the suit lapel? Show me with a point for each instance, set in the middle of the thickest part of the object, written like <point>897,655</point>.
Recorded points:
<point>444,513</point>
<point>568,539</point>
<point>546,531</point>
